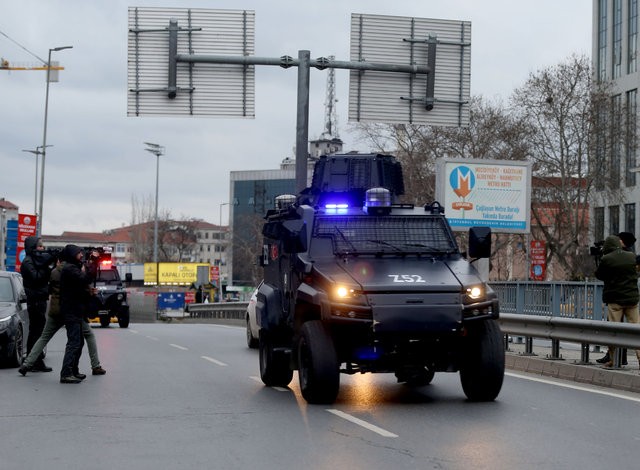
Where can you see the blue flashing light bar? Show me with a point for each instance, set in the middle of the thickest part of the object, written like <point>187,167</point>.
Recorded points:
<point>336,206</point>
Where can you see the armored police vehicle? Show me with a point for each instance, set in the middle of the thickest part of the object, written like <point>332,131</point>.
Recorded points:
<point>110,302</point>
<point>356,283</point>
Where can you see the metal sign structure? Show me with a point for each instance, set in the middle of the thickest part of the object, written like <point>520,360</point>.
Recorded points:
<point>440,98</point>
<point>221,90</point>
<point>174,58</point>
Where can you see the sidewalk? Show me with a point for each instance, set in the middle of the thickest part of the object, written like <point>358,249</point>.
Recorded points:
<point>569,367</point>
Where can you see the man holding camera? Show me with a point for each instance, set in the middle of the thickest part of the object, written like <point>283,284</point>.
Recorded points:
<point>36,270</point>
<point>617,270</point>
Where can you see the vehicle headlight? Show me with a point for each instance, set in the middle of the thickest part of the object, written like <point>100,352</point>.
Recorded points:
<point>348,294</point>
<point>5,322</point>
<point>475,292</point>
<point>120,296</point>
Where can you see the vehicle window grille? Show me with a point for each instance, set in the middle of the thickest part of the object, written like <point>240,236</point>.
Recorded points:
<point>364,234</point>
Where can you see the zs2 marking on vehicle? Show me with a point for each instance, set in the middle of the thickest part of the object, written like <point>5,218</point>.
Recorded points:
<point>407,278</point>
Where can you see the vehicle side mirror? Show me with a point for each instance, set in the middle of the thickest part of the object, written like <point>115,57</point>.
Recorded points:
<point>294,236</point>
<point>479,242</point>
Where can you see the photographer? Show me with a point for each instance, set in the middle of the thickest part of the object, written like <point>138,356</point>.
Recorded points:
<point>36,270</point>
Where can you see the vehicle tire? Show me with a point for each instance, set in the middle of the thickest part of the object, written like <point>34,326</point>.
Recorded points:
<point>482,368</point>
<point>123,320</point>
<point>15,359</point>
<point>319,370</point>
<point>105,320</point>
<point>252,342</point>
<point>274,364</point>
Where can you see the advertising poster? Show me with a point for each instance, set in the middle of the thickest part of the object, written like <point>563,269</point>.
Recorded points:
<point>538,256</point>
<point>488,193</point>
<point>26,228</point>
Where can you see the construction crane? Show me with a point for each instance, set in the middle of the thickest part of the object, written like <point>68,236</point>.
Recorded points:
<point>6,65</point>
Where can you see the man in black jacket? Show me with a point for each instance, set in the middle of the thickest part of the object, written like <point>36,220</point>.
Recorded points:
<point>75,293</point>
<point>36,271</point>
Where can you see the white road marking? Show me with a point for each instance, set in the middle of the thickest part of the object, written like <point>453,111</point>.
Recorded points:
<point>152,337</point>
<point>279,389</point>
<point>135,332</point>
<point>178,346</point>
<point>215,361</point>
<point>364,424</point>
<point>573,387</point>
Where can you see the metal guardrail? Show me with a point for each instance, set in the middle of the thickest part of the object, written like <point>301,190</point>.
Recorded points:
<point>583,332</point>
<point>558,299</point>
<point>223,310</point>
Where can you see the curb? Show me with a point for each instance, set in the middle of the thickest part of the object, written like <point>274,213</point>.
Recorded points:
<point>623,379</point>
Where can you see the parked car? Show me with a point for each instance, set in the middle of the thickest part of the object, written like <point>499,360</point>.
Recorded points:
<point>14,320</point>
<point>252,324</point>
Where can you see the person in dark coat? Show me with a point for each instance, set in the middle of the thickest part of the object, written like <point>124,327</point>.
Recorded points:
<point>36,270</point>
<point>617,270</point>
<point>75,294</point>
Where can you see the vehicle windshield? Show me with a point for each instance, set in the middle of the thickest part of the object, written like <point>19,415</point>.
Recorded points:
<point>6,292</point>
<point>390,234</point>
<point>108,275</point>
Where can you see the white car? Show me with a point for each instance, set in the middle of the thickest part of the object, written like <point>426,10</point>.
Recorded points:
<point>252,324</point>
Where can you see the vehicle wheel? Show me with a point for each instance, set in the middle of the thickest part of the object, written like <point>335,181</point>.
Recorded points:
<point>251,341</point>
<point>319,370</point>
<point>123,320</point>
<point>105,320</point>
<point>482,368</point>
<point>274,364</point>
<point>15,360</point>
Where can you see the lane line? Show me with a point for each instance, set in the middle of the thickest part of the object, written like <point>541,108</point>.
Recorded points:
<point>279,389</point>
<point>215,361</point>
<point>573,387</point>
<point>360,422</point>
<point>178,346</point>
<point>152,337</point>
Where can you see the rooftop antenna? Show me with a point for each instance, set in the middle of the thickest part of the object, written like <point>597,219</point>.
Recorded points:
<point>330,115</point>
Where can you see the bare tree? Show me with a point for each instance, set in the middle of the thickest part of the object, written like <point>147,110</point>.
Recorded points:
<point>247,246</point>
<point>570,136</point>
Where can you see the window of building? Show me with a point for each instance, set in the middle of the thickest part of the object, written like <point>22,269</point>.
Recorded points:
<point>121,248</point>
<point>631,137</point>
<point>630,218</point>
<point>206,235</point>
<point>208,247</point>
<point>614,219</point>
<point>598,223</point>
<point>616,140</point>
<point>617,39</point>
<point>632,37</point>
<point>602,40</point>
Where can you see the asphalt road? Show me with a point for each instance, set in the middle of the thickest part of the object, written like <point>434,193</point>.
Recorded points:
<point>188,396</point>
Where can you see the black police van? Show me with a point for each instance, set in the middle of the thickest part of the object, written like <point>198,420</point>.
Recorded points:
<point>110,301</point>
<point>356,283</point>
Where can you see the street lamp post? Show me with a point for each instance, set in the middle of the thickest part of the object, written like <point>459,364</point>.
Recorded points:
<point>157,150</point>
<point>37,153</point>
<point>44,135</point>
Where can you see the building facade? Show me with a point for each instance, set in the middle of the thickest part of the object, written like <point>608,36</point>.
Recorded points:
<point>615,61</point>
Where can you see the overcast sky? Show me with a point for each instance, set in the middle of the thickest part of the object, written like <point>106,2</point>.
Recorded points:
<point>97,162</point>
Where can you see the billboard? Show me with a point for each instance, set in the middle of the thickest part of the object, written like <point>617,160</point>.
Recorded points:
<point>172,274</point>
<point>490,193</point>
<point>26,228</point>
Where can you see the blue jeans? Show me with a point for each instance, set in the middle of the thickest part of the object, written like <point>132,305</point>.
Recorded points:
<point>72,352</point>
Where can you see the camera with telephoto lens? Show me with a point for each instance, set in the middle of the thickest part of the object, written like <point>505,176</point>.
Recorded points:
<point>596,250</point>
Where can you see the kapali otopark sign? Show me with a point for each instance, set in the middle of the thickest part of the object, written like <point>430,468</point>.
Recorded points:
<point>488,193</point>
<point>172,274</point>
